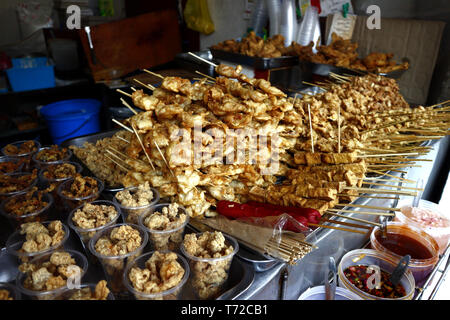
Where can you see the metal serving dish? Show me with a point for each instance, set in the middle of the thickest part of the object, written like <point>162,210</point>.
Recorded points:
<point>255,62</point>
<point>325,69</point>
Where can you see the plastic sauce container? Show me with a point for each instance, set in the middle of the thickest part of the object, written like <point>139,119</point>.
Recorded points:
<point>164,240</point>
<point>428,217</point>
<point>170,294</point>
<point>384,261</point>
<point>23,156</point>
<point>404,239</point>
<point>318,293</point>
<point>204,271</point>
<point>80,261</point>
<point>16,240</point>
<point>33,183</point>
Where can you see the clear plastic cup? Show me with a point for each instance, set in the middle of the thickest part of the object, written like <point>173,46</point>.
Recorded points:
<point>68,293</point>
<point>16,162</point>
<point>170,294</point>
<point>440,233</point>
<point>209,275</point>
<point>27,157</point>
<point>13,292</point>
<point>42,164</point>
<point>368,257</point>
<point>86,234</point>
<point>164,240</point>
<point>73,202</point>
<point>80,261</point>
<point>40,215</point>
<point>45,183</point>
<point>16,240</point>
<point>420,268</point>
<point>318,293</point>
<point>131,214</point>
<point>114,266</point>
<point>33,183</point>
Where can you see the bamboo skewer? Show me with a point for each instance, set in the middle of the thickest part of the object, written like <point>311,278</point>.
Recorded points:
<point>123,139</point>
<point>124,93</point>
<point>148,86</point>
<point>368,207</point>
<point>339,128</point>
<point>128,106</point>
<point>206,76</point>
<point>164,158</point>
<point>379,179</point>
<point>204,60</point>
<point>134,89</point>
<point>364,196</point>
<point>153,74</point>
<point>390,175</point>
<point>122,125</point>
<point>347,224</point>
<point>393,186</point>
<point>118,164</point>
<point>142,145</point>
<point>364,212</point>
<point>387,155</point>
<point>311,129</point>
<point>382,191</point>
<point>336,228</point>
<point>355,219</point>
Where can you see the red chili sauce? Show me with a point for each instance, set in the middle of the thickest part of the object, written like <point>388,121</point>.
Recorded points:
<point>358,276</point>
<point>403,245</point>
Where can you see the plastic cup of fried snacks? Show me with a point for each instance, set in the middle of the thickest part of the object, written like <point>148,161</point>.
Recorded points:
<point>209,275</point>
<point>42,163</point>
<point>80,261</point>
<point>86,234</point>
<point>73,202</point>
<point>68,294</point>
<point>8,179</point>
<point>9,165</point>
<point>114,265</point>
<point>17,218</point>
<point>16,240</point>
<point>25,156</point>
<point>9,292</point>
<point>131,214</point>
<point>172,293</point>
<point>164,240</point>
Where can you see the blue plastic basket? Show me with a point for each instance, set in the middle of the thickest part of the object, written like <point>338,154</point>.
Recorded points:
<point>31,74</point>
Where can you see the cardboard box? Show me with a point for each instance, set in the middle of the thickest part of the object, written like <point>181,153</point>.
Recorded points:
<point>417,40</point>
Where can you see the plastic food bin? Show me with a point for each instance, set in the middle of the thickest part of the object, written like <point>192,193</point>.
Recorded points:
<point>16,240</point>
<point>164,240</point>
<point>420,268</point>
<point>204,271</point>
<point>114,266</point>
<point>318,293</point>
<point>131,214</point>
<point>367,257</point>
<point>80,261</point>
<point>440,234</point>
<point>170,294</point>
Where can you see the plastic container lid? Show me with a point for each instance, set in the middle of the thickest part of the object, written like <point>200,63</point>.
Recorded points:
<point>318,293</point>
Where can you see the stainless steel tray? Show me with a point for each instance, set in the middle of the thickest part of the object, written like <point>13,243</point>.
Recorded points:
<point>325,69</point>
<point>256,62</point>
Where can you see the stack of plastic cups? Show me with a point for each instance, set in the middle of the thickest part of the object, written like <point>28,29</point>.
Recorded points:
<point>259,18</point>
<point>308,28</point>
<point>288,21</point>
<point>274,10</point>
